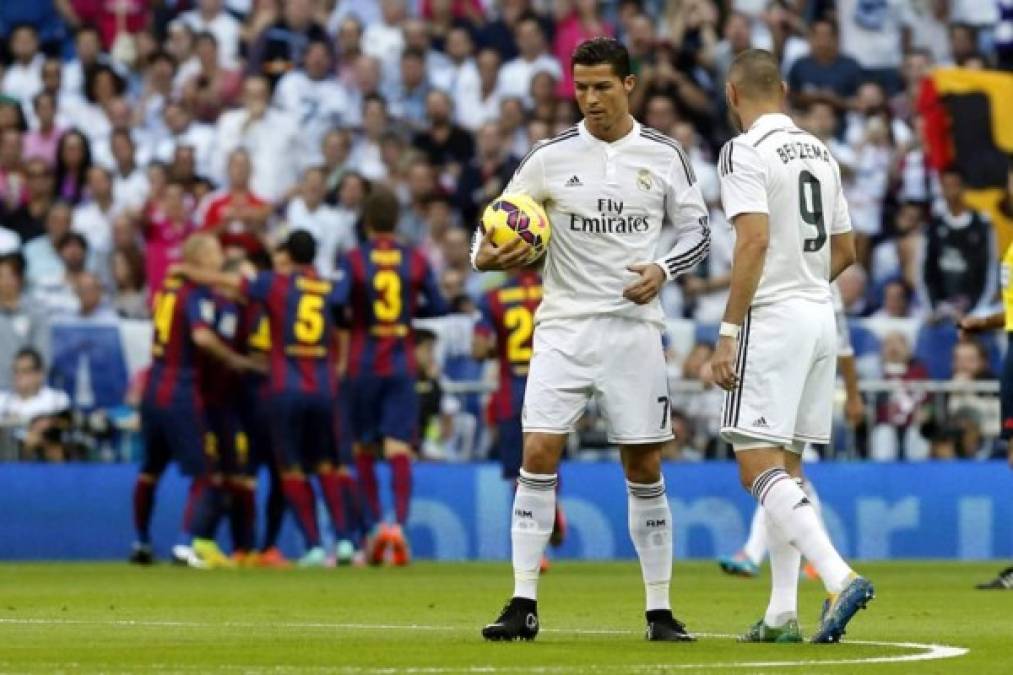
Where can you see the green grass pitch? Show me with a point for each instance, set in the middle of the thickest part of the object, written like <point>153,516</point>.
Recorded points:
<point>426,619</point>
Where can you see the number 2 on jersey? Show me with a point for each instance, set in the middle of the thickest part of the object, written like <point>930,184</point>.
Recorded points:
<point>165,304</point>
<point>811,210</point>
<point>521,324</point>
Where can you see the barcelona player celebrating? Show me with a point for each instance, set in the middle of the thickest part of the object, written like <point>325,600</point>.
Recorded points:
<point>302,312</point>
<point>387,280</point>
<point>174,422</point>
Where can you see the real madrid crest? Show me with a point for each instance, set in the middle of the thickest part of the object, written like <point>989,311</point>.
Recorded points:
<point>644,180</point>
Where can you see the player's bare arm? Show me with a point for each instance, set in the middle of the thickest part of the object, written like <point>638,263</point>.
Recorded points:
<point>752,236</point>
<point>226,281</point>
<point>975,324</point>
<point>842,253</point>
<point>490,257</point>
<point>206,339</point>
<point>854,408</point>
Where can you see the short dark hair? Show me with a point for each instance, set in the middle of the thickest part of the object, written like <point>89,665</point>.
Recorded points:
<point>16,262</point>
<point>72,238</point>
<point>423,336</point>
<point>301,247</point>
<point>952,170</point>
<point>380,210</point>
<point>756,73</point>
<point>826,21</point>
<point>31,354</point>
<point>413,53</point>
<point>601,50</point>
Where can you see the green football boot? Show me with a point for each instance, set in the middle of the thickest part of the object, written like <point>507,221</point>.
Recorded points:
<point>761,632</point>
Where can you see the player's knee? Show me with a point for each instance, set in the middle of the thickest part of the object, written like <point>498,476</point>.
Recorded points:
<point>541,454</point>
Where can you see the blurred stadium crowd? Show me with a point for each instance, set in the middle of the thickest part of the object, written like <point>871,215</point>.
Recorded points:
<point>126,125</point>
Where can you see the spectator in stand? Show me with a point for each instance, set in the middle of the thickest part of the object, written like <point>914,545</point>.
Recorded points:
<point>55,293</point>
<point>515,75</point>
<point>27,221</point>
<point>439,221</point>
<point>23,77</point>
<point>960,269</point>
<point>457,259</point>
<point>483,105</point>
<point>898,413</point>
<point>237,215</point>
<point>268,135</point>
<point>866,192</point>
<point>576,21</point>
<point>87,55</point>
<point>281,47</point>
<point>352,192</point>
<point>877,34</point>
<point>38,411</point>
<point>158,88</point>
<point>963,44</point>
<point>333,230</point>
<point>130,293</point>
<point>92,305</point>
<point>737,39</point>
<point>41,255</point>
<point>13,188</point>
<point>460,77</point>
<point>117,22</point>
<point>130,181</point>
<point>366,156</point>
<point>337,153</point>
<point>73,159</point>
<point>182,130</point>
<point>209,16</point>
<point>825,74</point>
<point>93,218</point>
<point>166,225</point>
<point>349,39</point>
<point>897,300</point>
<point>103,88</point>
<point>407,97</point>
<point>384,39</point>
<point>485,175</point>
<point>419,185</point>
<point>43,140</point>
<point>446,145</point>
<point>314,98</point>
<point>208,87</point>
<point>65,103</point>
<point>22,323</point>
<point>499,34</point>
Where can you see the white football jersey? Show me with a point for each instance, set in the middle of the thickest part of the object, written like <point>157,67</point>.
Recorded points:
<point>607,203</point>
<point>777,169</point>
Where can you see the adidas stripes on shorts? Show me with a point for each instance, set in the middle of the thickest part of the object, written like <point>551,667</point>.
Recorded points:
<point>787,365</point>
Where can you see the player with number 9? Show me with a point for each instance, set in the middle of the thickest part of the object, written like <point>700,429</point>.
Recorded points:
<point>777,351</point>
<point>390,284</point>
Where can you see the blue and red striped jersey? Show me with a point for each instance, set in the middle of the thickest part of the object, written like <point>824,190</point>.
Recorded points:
<point>301,310</point>
<point>389,284</point>
<point>218,384</point>
<point>180,308</point>
<point>508,314</point>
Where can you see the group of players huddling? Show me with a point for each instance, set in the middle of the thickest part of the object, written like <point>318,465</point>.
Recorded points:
<point>589,326</point>
<point>245,373</point>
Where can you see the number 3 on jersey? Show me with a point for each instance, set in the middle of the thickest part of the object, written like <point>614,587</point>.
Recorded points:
<point>387,306</point>
<point>811,210</point>
<point>521,325</point>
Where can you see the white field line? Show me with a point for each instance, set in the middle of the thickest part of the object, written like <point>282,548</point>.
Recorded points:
<point>922,651</point>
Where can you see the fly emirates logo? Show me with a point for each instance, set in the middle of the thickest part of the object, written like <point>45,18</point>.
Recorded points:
<point>610,220</point>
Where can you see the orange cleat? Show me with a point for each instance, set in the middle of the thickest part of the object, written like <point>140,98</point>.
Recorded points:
<point>544,566</point>
<point>273,558</point>
<point>810,572</point>
<point>376,544</point>
<point>244,558</point>
<point>400,551</point>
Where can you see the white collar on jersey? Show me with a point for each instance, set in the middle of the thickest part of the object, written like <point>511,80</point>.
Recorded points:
<point>588,136</point>
<point>772,120</point>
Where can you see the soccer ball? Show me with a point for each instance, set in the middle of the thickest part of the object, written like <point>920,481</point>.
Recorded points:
<point>518,216</point>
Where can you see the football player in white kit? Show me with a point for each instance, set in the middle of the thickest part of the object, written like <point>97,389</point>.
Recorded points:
<point>607,185</point>
<point>777,345</point>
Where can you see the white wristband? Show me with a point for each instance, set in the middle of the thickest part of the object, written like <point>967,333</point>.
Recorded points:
<point>729,330</point>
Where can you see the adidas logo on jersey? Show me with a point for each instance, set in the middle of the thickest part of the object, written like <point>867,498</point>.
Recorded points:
<point>574,181</point>
<point>760,422</point>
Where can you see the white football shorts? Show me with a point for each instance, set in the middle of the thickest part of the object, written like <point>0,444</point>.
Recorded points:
<point>618,361</point>
<point>786,365</point>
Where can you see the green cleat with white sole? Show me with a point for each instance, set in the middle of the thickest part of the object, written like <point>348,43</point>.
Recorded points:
<point>761,632</point>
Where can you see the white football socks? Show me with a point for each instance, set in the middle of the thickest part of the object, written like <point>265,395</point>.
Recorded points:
<point>792,512</point>
<point>530,527</point>
<point>650,520</point>
<point>755,547</point>
<point>784,565</point>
